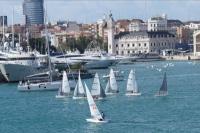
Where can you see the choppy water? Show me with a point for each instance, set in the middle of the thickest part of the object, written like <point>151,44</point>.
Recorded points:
<point>41,112</point>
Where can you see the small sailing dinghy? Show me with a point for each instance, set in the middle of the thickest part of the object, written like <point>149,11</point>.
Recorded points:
<point>163,89</point>
<point>97,91</point>
<point>64,90</point>
<point>79,91</point>
<point>111,87</point>
<point>132,88</point>
<point>97,117</point>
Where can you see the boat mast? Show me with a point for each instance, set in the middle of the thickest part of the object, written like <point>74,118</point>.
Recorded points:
<point>3,39</point>
<point>47,44</point>
<point>13,41</point>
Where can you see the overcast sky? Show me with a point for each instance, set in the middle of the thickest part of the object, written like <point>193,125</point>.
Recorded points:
<point>89,11</point>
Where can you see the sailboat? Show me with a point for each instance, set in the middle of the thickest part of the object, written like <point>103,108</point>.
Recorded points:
<point>111,87</point>
<point>97,117</point>
<point>132,88</point>
<point>97,91</point>
<point>42,84</point>
<point>163,88</point>
<point>64,90</point>
<point>79,91</point>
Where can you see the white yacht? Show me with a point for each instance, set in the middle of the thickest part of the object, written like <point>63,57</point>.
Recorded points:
<point>16,65</point>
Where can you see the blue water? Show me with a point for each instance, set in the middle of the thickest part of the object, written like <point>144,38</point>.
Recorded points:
<point>41,112</point>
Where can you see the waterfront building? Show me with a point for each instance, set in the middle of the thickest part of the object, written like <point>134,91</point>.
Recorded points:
<point>122,25</point>
<point>196,43</point>
<point>137,26</point>
<point>127,43</point>
<point>157,23</point>
<point>34,12</point>
<point>183,35</point>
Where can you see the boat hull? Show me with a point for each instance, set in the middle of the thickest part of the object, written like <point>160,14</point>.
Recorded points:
<point>17,72</point>
<point>46,86</point>
<point>75,98</point>
<point>99,64</point>
<point>92,120</point>
<point>133,94</point>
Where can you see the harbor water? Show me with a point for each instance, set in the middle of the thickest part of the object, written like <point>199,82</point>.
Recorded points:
<point>41,112</point>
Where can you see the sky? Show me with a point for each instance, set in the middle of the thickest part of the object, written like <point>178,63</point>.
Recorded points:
<point>89,11</point>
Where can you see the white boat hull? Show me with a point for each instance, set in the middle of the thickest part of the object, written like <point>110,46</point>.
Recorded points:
<point>111,93</point>
<point>99,64</point>
<point>133,94</point>
<point>75,98</point>
<point>160,95</point>
<point>92,120</point>
<point>17,72</point>
<point>46,86</point>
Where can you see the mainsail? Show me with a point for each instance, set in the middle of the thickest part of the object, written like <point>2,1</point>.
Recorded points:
<point>97,90</point>
<point>93,108</point>
<point>79,89</point>
<point>112,83</point>
<point>131,83</point>
<point>164,84</point>
<point>65,84</point>
<point>163,88</point>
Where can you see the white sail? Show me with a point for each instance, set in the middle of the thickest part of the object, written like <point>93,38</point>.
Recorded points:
<point>93,108</point>
<point>97,90</point>
<point>131,83</point>
<point>79,89</point>
<point>76,91</point>
<point>113,82</point>
<point>96,86</point>
<point>108,87</point>
<point>80,85</point>
<point>65,84</point>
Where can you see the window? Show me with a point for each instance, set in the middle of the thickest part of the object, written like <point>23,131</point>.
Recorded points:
<point>133,45</point>
<point>122,52</point>
<point>128,45</point>
<point>133,51</point>
<point>151,44</point>
<point>122,45</point>
<point>139,44</point>
<point>116,45</point>
<point>117,52</point>
<point>128,52</point>
<point>154,44</point>
<point>145,44</point>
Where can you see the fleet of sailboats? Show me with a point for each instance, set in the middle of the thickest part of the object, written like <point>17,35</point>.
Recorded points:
<point>65,89</point>
<point>79,91</point>
<point>163,89</point>
<point>97,91</point>
<point>111,87</point>
<point>97,117</point>
<point>132,87</point>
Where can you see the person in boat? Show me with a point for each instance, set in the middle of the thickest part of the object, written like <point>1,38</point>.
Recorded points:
<point>103,115</point>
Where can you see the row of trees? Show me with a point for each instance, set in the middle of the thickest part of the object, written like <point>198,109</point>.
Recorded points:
<point>80,43</point>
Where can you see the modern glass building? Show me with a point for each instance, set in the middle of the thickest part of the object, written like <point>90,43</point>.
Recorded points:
<point>34,12</point>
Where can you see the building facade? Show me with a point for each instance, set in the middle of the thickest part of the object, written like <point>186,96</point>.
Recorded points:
<point>34,12</point>
<point>196,43</point>
<point>137,26</point>
<point>158,23</point>
<point>137,42</point>
<point>143,42</point>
